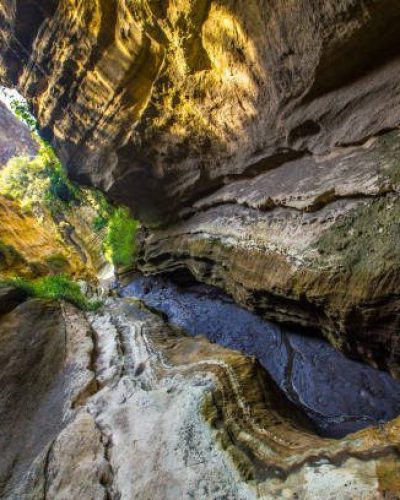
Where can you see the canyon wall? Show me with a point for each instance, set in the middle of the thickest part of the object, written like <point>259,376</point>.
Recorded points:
<point>41,234</point>
<point>121,405</point>
<point>257,140</point>
<point>15,138</point>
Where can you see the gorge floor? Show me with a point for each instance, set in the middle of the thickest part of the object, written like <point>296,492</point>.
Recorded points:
<point>130,406</point>
<point>337,394</point>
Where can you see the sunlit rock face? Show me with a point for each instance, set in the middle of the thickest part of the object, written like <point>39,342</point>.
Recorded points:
<point>15,138</point>
<point>35,240</point>
<point>260,135</point>
<point>121,405</point>
<point>30,249</point>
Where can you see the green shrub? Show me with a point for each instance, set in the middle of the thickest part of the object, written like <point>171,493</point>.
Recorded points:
<point>119,242</point>
<point>100,222</point>
<point>21,110</point>
<point>60,188</point>
<point>59,287</point>
<point>103,208</point>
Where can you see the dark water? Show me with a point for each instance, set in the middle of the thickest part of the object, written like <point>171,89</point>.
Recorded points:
<point>338,395</point>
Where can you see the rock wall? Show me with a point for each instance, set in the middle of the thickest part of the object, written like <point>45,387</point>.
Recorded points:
<point>120,405</point>
<point>257,140</point>
<point>30,248</point>
<point>38,238</point>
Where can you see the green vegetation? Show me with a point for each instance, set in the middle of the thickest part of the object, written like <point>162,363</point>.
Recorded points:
<point>104,211</point>
<point>22,112</point>
<point>40,181</point>
<point>41,186</point>
<point>59,287</point>
<point>120,231</point>
<point>119,242</point>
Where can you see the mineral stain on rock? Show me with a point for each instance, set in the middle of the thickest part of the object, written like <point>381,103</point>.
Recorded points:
<point>337,394</point>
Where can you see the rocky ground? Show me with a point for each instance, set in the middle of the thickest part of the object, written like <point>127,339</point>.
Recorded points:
<point>337,394</point>
<point>120,404</point>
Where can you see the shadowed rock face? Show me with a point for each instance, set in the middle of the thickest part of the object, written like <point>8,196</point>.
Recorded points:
<point>44,372</point>
<point>261,135</point>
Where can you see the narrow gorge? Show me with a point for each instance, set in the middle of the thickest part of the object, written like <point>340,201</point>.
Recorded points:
<point>199,249</point>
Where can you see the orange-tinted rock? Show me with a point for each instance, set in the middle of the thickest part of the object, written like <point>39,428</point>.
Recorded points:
<point>30,248</point>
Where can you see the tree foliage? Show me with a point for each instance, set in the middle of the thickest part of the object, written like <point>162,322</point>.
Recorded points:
<point>38,180</point>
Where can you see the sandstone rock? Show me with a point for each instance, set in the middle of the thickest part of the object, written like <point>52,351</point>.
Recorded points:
<point>164,102</point>
<point>338,395</point>
<point>132,408</point>
<point>30,248</point>
<point>186,418</point>
<point>262,133</point>
<point>40,382</point>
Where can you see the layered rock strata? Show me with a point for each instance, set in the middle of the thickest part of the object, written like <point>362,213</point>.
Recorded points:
<point>128,407</point>
<point>338,395</point>
<point>262,133</point>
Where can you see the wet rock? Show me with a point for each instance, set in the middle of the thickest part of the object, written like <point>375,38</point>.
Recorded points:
<point>337,394</point>
<point>78,417</point>
<point>205,421</point>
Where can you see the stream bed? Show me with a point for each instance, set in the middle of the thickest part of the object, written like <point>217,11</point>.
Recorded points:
<point>337,394</point>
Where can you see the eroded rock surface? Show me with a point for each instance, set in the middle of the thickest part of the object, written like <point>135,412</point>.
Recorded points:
<point>264,134</point>
<point>30,248</point>
<point>337,394</point>
<point>45,370</point>
<point>125,406</point>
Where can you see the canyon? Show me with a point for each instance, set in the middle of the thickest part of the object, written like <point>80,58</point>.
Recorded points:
<point>258,143</point>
